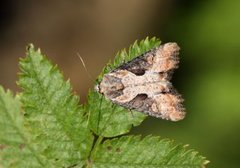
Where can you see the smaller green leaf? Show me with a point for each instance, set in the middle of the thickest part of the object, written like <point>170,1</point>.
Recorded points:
<point>107,119</point>
<point>149,152</point>
<point>15,148</point>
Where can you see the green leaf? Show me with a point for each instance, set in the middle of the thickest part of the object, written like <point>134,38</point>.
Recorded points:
<point>149,152</point>
<point>15,149</point>
<point>107,119</point>
<point>53,117</point>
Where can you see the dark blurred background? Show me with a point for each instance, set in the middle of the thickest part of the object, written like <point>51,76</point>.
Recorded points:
<point>208,33</point>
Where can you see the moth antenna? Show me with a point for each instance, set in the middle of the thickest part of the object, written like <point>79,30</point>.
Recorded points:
<point>85,68</point>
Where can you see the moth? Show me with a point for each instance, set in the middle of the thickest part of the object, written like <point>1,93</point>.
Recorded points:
<point>143,84</point>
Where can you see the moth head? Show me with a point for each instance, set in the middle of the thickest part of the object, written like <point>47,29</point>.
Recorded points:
<point>110,86</point>
<point>96,88</point>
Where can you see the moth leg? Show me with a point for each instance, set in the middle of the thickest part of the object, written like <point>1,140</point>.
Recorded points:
<point>131,113</point>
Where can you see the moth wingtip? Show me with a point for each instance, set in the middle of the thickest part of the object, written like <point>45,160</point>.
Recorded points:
<point>172,46</point>
<point>178,117</point>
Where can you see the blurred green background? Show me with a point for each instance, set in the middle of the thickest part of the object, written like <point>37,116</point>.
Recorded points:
<point>208,33</point>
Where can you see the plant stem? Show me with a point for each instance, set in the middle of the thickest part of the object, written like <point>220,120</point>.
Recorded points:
<point>94,149</point>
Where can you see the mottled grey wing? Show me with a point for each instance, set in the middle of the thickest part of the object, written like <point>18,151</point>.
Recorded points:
<point>167,60</point>
<point>138,65</point>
